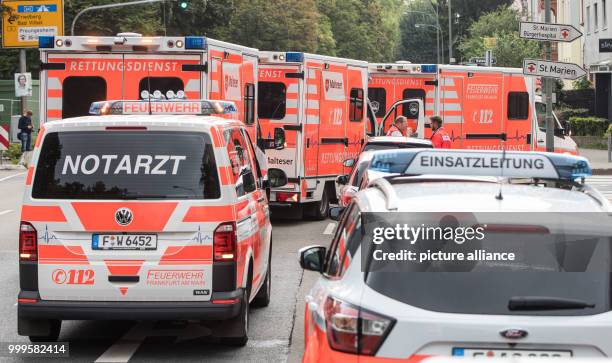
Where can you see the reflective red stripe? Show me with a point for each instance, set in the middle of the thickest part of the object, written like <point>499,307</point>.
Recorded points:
<point>42,213</point>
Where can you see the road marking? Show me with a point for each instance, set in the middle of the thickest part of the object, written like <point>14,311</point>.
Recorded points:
<point>5,212</point>
<point>330,228</point>
<point>124,348</point>
<point>11,176</point>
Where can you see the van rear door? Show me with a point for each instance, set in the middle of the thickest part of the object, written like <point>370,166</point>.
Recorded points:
<point>73,81</point>
<point>139,209</point>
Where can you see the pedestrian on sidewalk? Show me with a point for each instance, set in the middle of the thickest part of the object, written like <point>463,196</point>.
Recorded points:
<point>25,125</point>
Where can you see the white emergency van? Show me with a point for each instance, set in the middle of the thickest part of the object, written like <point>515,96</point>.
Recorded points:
<point>144,210</point>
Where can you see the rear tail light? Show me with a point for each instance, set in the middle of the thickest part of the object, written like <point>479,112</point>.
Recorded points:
<point>352,329</point>
<point>224,242</point>
<point>287,197</point>
<point>28,249</point>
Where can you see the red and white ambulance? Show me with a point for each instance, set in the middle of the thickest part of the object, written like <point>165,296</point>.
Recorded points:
<point>482,107</point>
<point>79,70</point>
<point>144,212</point>
<point>317,104</point>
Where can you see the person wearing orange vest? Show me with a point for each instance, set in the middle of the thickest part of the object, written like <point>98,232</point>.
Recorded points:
<point>400,128</point>
<point>440,138</point>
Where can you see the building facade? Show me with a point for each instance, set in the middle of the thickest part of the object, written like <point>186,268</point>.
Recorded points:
<point>597,15</point>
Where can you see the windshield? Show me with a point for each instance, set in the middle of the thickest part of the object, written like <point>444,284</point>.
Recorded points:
<point>389,146</point>
<point>126,165</point>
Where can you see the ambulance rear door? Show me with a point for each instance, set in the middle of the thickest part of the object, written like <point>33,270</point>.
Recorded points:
<point>280,89</point>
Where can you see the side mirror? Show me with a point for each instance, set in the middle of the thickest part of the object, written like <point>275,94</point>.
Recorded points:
<point>335,213</point>
<point>560,132</point>
<point>277,178</point>
<point>312,257</point>
<point>348,163</point>
<point>342,179</point>
<point>279,138</point>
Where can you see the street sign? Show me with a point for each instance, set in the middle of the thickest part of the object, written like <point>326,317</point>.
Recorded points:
<point>605,45</point>
<point>542,68</point>
<point>26,20</point>
<point>4,137</point>
<point>552,32</point>
<point>481,61</point>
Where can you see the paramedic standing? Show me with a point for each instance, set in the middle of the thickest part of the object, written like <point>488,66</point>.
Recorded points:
<point>25,125</point>
<point>400,127</point>
<point>440,138</point>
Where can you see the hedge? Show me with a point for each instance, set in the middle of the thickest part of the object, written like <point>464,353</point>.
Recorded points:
<point>588,126</point>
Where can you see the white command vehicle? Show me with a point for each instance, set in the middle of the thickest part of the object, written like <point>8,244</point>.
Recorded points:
<point>131,214</point>
<point>79,70</point>
<point>372,304</point>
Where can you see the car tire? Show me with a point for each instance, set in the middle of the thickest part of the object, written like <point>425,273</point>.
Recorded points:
<point>240,325</point>
<point>53,336</point>
<point>262,299</point>
<point>320,210</point>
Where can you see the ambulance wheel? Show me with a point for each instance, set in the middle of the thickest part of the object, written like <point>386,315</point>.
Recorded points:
<point>53,332</point>
<point>320,210</point>
<point>262,299</point>
<point>239,325</point>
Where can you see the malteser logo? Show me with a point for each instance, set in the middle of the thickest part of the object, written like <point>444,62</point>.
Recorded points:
<point>330,84</point>
<point>230,82</point>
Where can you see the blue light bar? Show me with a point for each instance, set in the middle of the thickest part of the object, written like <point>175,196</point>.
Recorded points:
<point>46,41</point>
<point>429,68</point>
<point>195,42</point>
<point>296,57</point>
<point>511,164</point>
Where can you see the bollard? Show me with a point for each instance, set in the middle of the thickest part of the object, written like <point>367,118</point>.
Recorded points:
<point>610,148</point>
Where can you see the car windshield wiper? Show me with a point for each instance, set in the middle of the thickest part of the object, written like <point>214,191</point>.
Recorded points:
<point>546,303</point>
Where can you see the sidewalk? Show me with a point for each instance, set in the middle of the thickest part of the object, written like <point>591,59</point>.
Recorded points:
<point>598,159</point>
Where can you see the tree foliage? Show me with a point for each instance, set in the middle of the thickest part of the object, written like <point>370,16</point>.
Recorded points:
<point>503,25</point>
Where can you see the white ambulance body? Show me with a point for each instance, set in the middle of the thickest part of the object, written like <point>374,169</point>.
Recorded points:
<point>79,70</point>
<point>317,105</point>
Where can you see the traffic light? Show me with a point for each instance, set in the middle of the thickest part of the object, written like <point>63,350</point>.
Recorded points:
<point>183,4</point>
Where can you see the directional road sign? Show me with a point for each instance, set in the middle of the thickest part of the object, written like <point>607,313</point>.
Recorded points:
<point>25,20</point>
<point>552,32</point>
<point>542,68</point>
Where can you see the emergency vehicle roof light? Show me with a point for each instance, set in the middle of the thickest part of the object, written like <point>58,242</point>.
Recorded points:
<point>510,164</point>
<point>296,57</point>
<point>192,42</point>
<point>46,41</point>
<point>162,107</point>
<point>429,68</point>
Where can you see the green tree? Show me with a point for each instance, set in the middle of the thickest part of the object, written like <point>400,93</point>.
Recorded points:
<point>503,25</point>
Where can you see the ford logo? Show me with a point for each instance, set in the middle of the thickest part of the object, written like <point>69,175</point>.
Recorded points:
<point>123,216</point>
<point>514,333</point>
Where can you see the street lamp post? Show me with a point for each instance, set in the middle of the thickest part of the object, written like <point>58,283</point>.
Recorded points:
<point>438,31</point>
<point>117,5</point>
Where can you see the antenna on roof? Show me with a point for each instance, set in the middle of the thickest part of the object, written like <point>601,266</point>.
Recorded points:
<point>499,195</point>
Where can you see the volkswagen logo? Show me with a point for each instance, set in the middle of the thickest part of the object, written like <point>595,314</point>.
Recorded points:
<point>513,333</point>
<point>123,216</point>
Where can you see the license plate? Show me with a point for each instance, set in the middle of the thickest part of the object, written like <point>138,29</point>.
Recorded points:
<point>510,353</point>
<point>124,242</point>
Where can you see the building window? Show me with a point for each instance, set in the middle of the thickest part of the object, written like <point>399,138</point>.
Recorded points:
<point>595,17</point>
<point>249,103</point>
<point>604,15</point>
<point>518,105</point>
<point>356,106</point>
<point>588,19</point>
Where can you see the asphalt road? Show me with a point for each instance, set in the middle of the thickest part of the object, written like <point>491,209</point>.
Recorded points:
<point>276,332</point>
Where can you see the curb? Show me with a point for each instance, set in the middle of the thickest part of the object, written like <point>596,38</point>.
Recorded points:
<point>12,167</point>
<point>602,171</point>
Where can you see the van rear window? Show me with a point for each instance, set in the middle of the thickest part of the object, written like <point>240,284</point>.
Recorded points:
<point>126,165</point>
